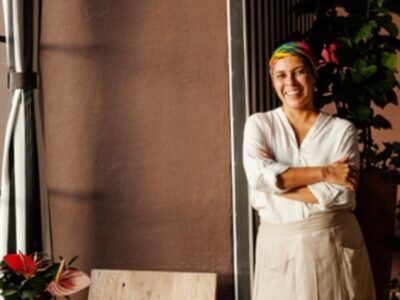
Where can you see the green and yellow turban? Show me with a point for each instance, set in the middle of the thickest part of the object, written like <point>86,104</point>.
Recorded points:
<point>299,49</point>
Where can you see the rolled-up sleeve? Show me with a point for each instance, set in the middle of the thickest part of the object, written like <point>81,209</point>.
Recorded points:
<point>329,194</point>
<point>261,173</point>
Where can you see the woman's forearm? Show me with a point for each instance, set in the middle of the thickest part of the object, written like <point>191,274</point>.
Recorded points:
<point>302,194</point>
<point>339,172</point>
<point>300,177</point>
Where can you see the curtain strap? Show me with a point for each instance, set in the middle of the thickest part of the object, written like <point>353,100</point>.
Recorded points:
<point>21,80</point>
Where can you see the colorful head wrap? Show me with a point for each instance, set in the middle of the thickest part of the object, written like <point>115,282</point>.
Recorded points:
<point>299,49</point>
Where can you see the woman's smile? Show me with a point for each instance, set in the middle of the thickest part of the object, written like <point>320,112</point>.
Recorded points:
<point>295,92</point>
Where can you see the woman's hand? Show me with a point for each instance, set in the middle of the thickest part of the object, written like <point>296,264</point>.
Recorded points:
<point>341,172</point>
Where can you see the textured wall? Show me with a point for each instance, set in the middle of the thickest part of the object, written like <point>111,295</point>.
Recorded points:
<point>393,114</point>
<point>137,133</point>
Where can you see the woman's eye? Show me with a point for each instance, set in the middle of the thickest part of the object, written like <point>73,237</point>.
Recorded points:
<point>300,71</point>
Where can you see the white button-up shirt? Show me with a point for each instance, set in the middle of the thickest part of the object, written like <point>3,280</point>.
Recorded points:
<point>328,140</point>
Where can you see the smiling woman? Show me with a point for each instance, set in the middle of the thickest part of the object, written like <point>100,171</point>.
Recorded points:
<point>293,83</point>
<point>292,69</point>
<point>302,169</point>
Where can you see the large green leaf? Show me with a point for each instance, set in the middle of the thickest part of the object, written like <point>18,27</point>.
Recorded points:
<point>9,292</point>
<point>364,113</point>
<point>383,99</point>
<point>379,3</point>
<point>359,64</point>
<point>384,19</point>
<point>392,29</point>
<point>360,71</point>
<point>72,260</point>
<point>380,100</point>
<point>391,97</point>
<point>381,122</point>
<point>384,81</point>
<point>345,41</point>
<point>39,284</point>
<point>389,41</point>
<point>368,71</point>
<point>389,60</point>
<point>386,22</point>
<point>27,294</point>
<point>365,31</point>
<point>3,265</point>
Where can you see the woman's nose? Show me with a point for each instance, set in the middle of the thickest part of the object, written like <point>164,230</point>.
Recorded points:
<point>291,79</point>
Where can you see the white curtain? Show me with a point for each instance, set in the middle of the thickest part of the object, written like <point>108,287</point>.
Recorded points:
<point>24,211</point>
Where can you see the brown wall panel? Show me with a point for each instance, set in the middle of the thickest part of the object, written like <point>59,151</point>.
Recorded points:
<point>137,134</point>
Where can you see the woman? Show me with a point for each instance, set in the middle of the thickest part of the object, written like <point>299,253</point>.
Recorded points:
<point>302,169</point>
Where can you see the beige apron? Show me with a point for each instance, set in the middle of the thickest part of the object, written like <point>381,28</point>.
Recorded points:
<point>319,258</point>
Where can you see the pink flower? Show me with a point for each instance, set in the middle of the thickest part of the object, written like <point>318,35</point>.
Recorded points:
<point>21,264</point>
<point>67,282</point>
<point>328,54</point>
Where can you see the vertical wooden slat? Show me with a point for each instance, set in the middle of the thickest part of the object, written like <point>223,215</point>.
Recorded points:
<point>269,24</point>
<point>251,33</point>
<point>260,52</point>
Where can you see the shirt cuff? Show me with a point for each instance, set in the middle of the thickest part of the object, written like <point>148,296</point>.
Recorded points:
<point>324,193</point>
<point>270,176</point>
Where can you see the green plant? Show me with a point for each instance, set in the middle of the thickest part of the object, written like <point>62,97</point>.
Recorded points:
<point>357,42</point>
<point>39,277</point>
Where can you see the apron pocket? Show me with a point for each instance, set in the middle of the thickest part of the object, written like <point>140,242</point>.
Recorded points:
<point>278,266</point>
<point>278,278</point>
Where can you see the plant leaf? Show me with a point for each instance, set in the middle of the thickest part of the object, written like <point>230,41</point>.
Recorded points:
<point>388,40</point>
<point>389,60</point>
<point>344,40</point>
<point>72,260</point>
<point>368,71</point>
<point>379,3</point>
<point>391,97</point>
<point>364,112</point>
<point>384,81</point>
<point>9,292</point>
<point>365,31</point>
<point>392,29</point>
<point>380,100</point>
<point>392,6</point>
<point>386,22</point>
<point>379,122</point>
<point>359,64</point>
<point>26,294</point>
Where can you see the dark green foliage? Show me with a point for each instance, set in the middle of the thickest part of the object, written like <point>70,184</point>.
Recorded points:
<point>363,72</point>
<point>16,287</point>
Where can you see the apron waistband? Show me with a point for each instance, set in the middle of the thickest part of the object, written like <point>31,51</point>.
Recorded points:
<point>317,222</point>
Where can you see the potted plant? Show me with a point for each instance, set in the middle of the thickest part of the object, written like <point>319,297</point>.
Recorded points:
<point>37,276</point>
<point>357,42</point>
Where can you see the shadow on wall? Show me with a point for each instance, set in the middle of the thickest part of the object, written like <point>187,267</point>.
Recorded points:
<point>134,127</point>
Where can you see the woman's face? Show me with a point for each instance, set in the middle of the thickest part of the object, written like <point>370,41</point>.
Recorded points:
<point>293,82</point>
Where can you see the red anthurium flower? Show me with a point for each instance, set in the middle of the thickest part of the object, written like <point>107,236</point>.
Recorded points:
<point>328,54</point>
<point>67,282</point>
<point>21,264</point>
